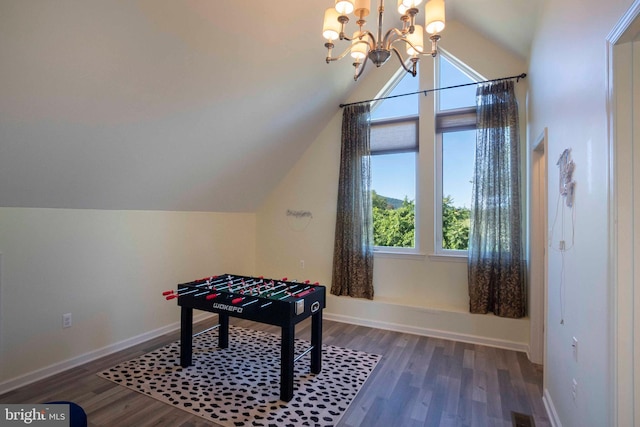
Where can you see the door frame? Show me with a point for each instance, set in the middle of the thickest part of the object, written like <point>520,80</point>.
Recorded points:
<point>624,290</point>
<point>538,170</point>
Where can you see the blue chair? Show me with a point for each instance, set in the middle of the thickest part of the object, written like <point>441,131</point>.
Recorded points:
<point>77,416</point>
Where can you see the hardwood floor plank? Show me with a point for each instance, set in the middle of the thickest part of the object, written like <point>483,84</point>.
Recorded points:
<point>465,405</point>
<point>479,416</point>
<point>436,405</point>
<point>479,387</point>
<point>420,405</point>
<point>420,381</point>
<point>493,390</point>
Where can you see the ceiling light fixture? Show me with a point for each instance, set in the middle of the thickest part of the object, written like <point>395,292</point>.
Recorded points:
<point>377,48</point>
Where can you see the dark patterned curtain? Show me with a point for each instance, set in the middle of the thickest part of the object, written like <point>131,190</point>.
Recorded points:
<point>353,249</point>
<point>496,267</point>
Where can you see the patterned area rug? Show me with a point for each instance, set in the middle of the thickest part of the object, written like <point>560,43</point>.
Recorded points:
<point>240,385</point>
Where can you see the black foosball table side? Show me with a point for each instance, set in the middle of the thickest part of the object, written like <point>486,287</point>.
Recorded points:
<point>285,314</point>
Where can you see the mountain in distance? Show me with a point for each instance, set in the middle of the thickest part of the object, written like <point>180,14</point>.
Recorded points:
<point>395,203</point>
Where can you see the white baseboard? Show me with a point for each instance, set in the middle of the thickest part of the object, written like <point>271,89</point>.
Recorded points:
<point>551,410</point>
<point>56,368</point>
<point>435,333</point>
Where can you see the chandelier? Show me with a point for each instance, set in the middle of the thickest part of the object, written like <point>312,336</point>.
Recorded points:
<point>366,46</point>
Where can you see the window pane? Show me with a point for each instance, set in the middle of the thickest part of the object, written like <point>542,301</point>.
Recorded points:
<point>458,157</point>
<point>402,106</point>
<point>393,185</point>
<point>450,75</point>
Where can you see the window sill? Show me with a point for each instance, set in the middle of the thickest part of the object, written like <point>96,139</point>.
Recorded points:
<point>399,255</point>
<point>448,258</point>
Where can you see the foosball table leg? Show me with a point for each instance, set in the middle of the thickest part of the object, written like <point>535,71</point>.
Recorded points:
<point>186,332</point>
<point>316,342</point>
<point>223,330</point>
<point>286,362</point>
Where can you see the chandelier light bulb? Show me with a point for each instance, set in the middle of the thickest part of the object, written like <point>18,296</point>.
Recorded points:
<point>344,7</point>
<point>358,46</point>
<point>434,16</point>
<point>411,3</point>
<point>402,9</point>
<point>331,27</point>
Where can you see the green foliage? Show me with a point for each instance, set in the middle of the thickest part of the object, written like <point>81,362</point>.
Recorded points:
<point>395,227</point>
<point>455,225</point>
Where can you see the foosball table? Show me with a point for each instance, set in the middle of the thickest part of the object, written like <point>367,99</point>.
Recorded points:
<point>281,303</point>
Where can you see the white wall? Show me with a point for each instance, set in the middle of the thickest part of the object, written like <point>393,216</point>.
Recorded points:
<point>418,294</point>
<point>107,268</point>
<point>568,95</point>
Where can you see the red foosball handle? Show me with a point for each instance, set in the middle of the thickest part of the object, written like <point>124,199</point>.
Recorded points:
<point>308,291</point>
<point>236,300</point>
<point>211,296</point>
<point>204,279</point>
<point>172,296</point>
<point>165,293</point>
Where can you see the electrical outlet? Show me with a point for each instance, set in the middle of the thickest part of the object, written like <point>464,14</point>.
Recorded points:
<point>574,346</point>
<point>66,320</point>
<point>302,263</point>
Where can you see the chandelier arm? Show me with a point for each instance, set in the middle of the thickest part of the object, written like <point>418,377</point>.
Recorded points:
<point>412,72</point>
<point>410,44</point>
<point>346,51</point>
<point>339,57</point>
<point>361,70</point>
<point>388,40</point>
<point>366,33</point>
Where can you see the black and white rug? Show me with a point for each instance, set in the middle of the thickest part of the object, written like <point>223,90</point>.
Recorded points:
<point>240,385</point>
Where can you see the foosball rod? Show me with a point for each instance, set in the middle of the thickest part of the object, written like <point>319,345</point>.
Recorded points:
<point>207,330</point>
<point>298,293</point>
<point>289,293</point>
<point>171,294</point>
<point>259,284</point>
<point>303,353</point>
<point>207,283</point>
<point>235,290</point>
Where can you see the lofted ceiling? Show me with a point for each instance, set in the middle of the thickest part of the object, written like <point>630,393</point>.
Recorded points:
<point>197,105</point>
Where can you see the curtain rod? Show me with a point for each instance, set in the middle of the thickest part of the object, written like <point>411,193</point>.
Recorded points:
<point>518,77</point>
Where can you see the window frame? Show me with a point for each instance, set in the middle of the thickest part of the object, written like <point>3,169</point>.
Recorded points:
<point>414,118</point>
<point>445,121</point>
<point>394,251</point>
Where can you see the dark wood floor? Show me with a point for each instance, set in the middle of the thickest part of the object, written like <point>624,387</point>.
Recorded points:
<point>420,381</point>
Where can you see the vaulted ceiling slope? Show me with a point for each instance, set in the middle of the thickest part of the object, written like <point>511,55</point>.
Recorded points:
<point>172,105</point>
